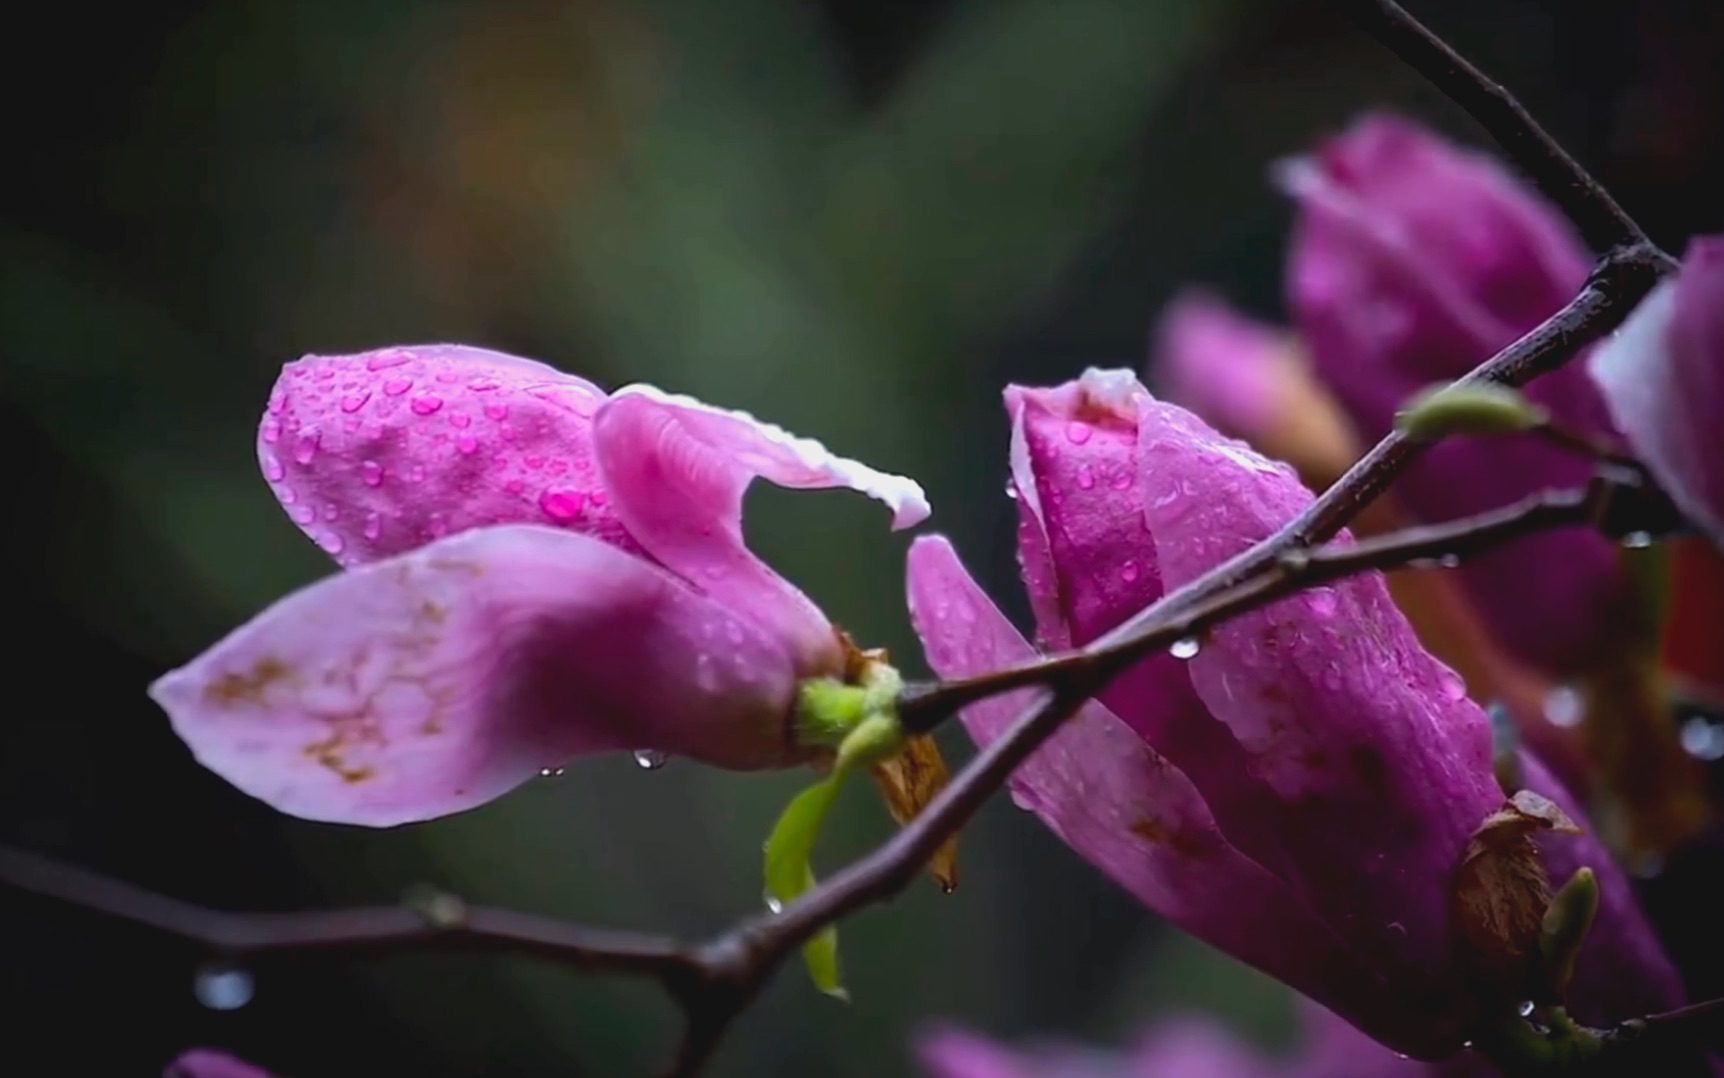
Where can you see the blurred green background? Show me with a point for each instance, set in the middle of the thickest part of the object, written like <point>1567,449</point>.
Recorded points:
<point>856,219</point>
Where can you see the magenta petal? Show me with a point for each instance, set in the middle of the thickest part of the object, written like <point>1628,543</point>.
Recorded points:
<point>209,1063</point>
<point>377,453</point>
<point>439,679</point>
<point>1217,362</point>
<point>1136,817</point>
<point>1183,1046</point>
<point>1381,761</point>
<point>678,468</point>
<point>1663,377</point>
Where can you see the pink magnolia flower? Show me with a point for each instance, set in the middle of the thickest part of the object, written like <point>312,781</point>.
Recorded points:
<point>1412,261</point>
<point>209,1063</point>
<point>1663,378</point>
<point>538,570</point>
<point>1188,1046</point>
<point>1297,788</point>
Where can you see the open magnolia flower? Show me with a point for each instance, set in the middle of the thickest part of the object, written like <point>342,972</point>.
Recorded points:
<point>536,570</point>
<point>1305,788</point>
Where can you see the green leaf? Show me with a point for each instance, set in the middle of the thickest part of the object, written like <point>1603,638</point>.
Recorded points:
<point>1481,408</point>
<point>788,873</point>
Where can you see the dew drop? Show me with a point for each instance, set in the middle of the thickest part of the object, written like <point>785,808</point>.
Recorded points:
<point>1526,1008</point>
<point>372,473</point>
<point>331,511</point>
<point>497,412</point>
<point>426,405</point>
<point>706,673</point>
<point>305,448</point>
<point>533,461</point>
<point>223,987</point>
<point>392,357</point>
<point>1637,540</point>
<point>448,377</point>
<point>773,905</point>
<point>562,504</point>
<point>466,445</point>
<point>416,474</point>
<point>373,526</point>
<point>355,401</point>
<point>272,469</point>
<point>331,543</point>
<point>1122,479</point>
<point>460,420</point>
<point>277,403</point>
<point>1702,739</point>
<point>304,514</point>
<point>649,759</point>
<point>515,486</point>
<point>1011,490</point>
<point>1449,561</point>
<point>397,386</point>
<point>1321,601</point>
<point>482,385</point>
<point>1085,477</point>
<point>551,772</point>
<point>1078,433</point>
<point>286,496</point>
<point>1129,572</point>
<point>1562,707</point>
<point>1185,648</point>
<point>271,431</point>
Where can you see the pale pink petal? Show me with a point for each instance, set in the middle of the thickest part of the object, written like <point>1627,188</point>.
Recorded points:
<point>441,678</point>
<point>1219,363</point>
<point>678,468</point>
<point>1662,375</point>
<point>1129,812</point>
<point>377,453</point>
<point>209,1063</point>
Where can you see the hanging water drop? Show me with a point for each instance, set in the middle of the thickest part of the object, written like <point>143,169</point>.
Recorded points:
<point>1637,540</point>
<point>649,759</point>
<point>1449,561</point>
<point>773,905</point>
<point>1562,707</point>
<point>551,772</point>
<point>1702,739</point>
<point>1526,1008</point>
<point>1185,648</point>
<point>223,987</point>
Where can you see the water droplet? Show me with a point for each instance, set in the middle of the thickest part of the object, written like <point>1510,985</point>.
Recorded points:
<point>397,386</point>
<point>460,420</point>
<point>1185,648</point>
<point>1702,739</point>
<point>372,473</point>
<point>331,511</point>
<point>305,448</point>
<point>392,357</point>
<point>448,377</point>
<point>515,486</point>
<point>1122,479</point>
<point>466,445</point>
<point>1453,687</point>
<point>482,385</point>
<point>562,504</point>
<point>373,526</point>
<point>286,495</point>
<point>1397,928</point>
<point>271,431</point>
<point>599,498</point>
<point>1085,477</point>
<point>773,905</point>
<point>1129,572</point>
<point>277,403</point>
<point>1321,601</point>
<point>649,759</point>
<point>1637,540</point>
<point>551,772</point>
<point>497,412</point>
<point>223,987</point>
<point>416,474</point>
<point>1562,707</point>
<point>355,401</point>
<point>533,461</point>
<point>304,514</point>
<point>1011,490</point>
<point>706,673</point>
<point>1526,1008</point>
<point>426,405</point>
<point>272,469</point>
<point>1078,433</point>
<point>1449,561</point>
<point>331,543</point>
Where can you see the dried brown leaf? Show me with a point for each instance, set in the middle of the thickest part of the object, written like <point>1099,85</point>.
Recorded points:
<point>909,780</point>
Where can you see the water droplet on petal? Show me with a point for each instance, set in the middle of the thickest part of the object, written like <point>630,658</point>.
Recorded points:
<point>1122,479</point>
<point>448,377</point>
<point>286,495</point>
<point>515,486</point>
<point>373,526</point>
<point>1703,739</point>
<point>331,511</point>
<point>551,772</point>
<point>305,448</point>
<point>481,385</point>
<point>1085,477</point>
<point>1449,561</point>
<point>397,386</point>
<point>1129,572</point>
<point>372,473</point>
<point>277,403</point>
<point>271,431</point>
<point>331,543</point>
<point>223,987</point>
<point>466,445</point>
<point>304,514</point>
<point>533,461</point>
<point>272,469</point>
<point>706,673</point>
<point>562,504</point>
<point>1185,648</point>
<point>1078,433</point>
<point>416,474</point>
<point>1321,601</point>
<point>460,420</point>
<point>392,357</point>
<point>649,759</point>
<point>426,405</point>
<point>497,412</point>
<point>1637,540</point>
<point>1562,707</point>
<point>355,401</point>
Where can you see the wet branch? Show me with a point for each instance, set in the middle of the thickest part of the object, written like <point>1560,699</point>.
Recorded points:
<point>715,980</point>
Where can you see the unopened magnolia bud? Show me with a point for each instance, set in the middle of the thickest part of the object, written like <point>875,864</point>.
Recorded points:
<point>1480,408</point>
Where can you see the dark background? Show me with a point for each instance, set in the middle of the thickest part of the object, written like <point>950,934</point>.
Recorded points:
<point>857,218</point>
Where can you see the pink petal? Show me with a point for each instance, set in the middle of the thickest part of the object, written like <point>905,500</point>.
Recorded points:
<point>1219,363</point>
<point>1381,760</point>
<point>439,679</point>
<point>1662,375</point>
<point>1136,817</point>
<point>209,1063</point>
<point>678,468</point>
<point>377,453</point>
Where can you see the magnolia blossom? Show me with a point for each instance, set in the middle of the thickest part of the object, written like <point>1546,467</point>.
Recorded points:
<point>536,570</point>
<point>1296,788</point>
<point>1663,377</point>
<point>1411,262</point>
<point>1188,1046</point>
